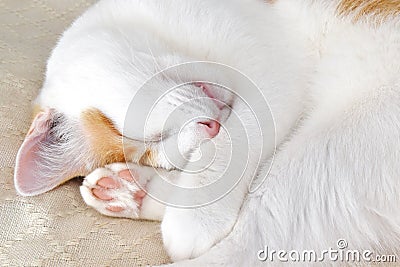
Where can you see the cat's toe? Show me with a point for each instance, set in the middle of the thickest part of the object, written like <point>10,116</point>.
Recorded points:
<point>108,183</point>
<point>101,194</point>
<point>115,209</point>
<point>139,195</point>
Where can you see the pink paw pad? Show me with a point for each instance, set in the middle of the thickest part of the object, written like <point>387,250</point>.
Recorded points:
<point>115,208</point>
<point>101,194</point>
<point>127,175</point>
<point>106,184</point>
<point>138,196</point>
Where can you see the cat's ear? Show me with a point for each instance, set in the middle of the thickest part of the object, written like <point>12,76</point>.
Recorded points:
<point>36,171</point>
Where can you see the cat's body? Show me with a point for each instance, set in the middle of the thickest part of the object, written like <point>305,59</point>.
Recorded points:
<point>333,87</point>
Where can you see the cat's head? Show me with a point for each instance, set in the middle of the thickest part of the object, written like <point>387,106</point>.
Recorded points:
<point>169,122</point>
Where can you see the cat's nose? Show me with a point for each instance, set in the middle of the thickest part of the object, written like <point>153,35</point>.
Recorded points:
<point>211,127</point>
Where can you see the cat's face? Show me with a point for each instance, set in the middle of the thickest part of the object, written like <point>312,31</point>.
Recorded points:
<point>162,126</point>
<point>177,123</point>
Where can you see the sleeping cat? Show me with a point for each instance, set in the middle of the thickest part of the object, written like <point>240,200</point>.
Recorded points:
<point>155,103</point>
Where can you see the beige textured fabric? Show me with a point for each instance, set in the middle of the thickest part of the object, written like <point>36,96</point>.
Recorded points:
<point>56,228</point>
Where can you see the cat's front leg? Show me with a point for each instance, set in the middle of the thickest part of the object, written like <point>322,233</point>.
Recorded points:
<point>120,190</point>
<point>188,232</point>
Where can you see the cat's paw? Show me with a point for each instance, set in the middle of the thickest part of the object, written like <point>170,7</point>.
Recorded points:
<point>115,190</point>
<point>187,237</point>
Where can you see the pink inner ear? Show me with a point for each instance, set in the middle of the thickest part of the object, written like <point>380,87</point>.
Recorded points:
<point>28,160</point>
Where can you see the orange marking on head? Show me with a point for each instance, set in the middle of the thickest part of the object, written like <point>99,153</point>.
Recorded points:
<point>147,158</point>
<point>381,9</point>
<point>105,143</point>
<point>105,140</point>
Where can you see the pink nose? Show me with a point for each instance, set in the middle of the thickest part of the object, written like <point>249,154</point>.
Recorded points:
<point>211,127</point>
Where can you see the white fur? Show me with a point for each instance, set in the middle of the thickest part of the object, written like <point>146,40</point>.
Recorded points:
<point>333,87</point>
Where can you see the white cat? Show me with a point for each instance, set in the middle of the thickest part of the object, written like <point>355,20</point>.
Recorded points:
<point>329,71</point>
